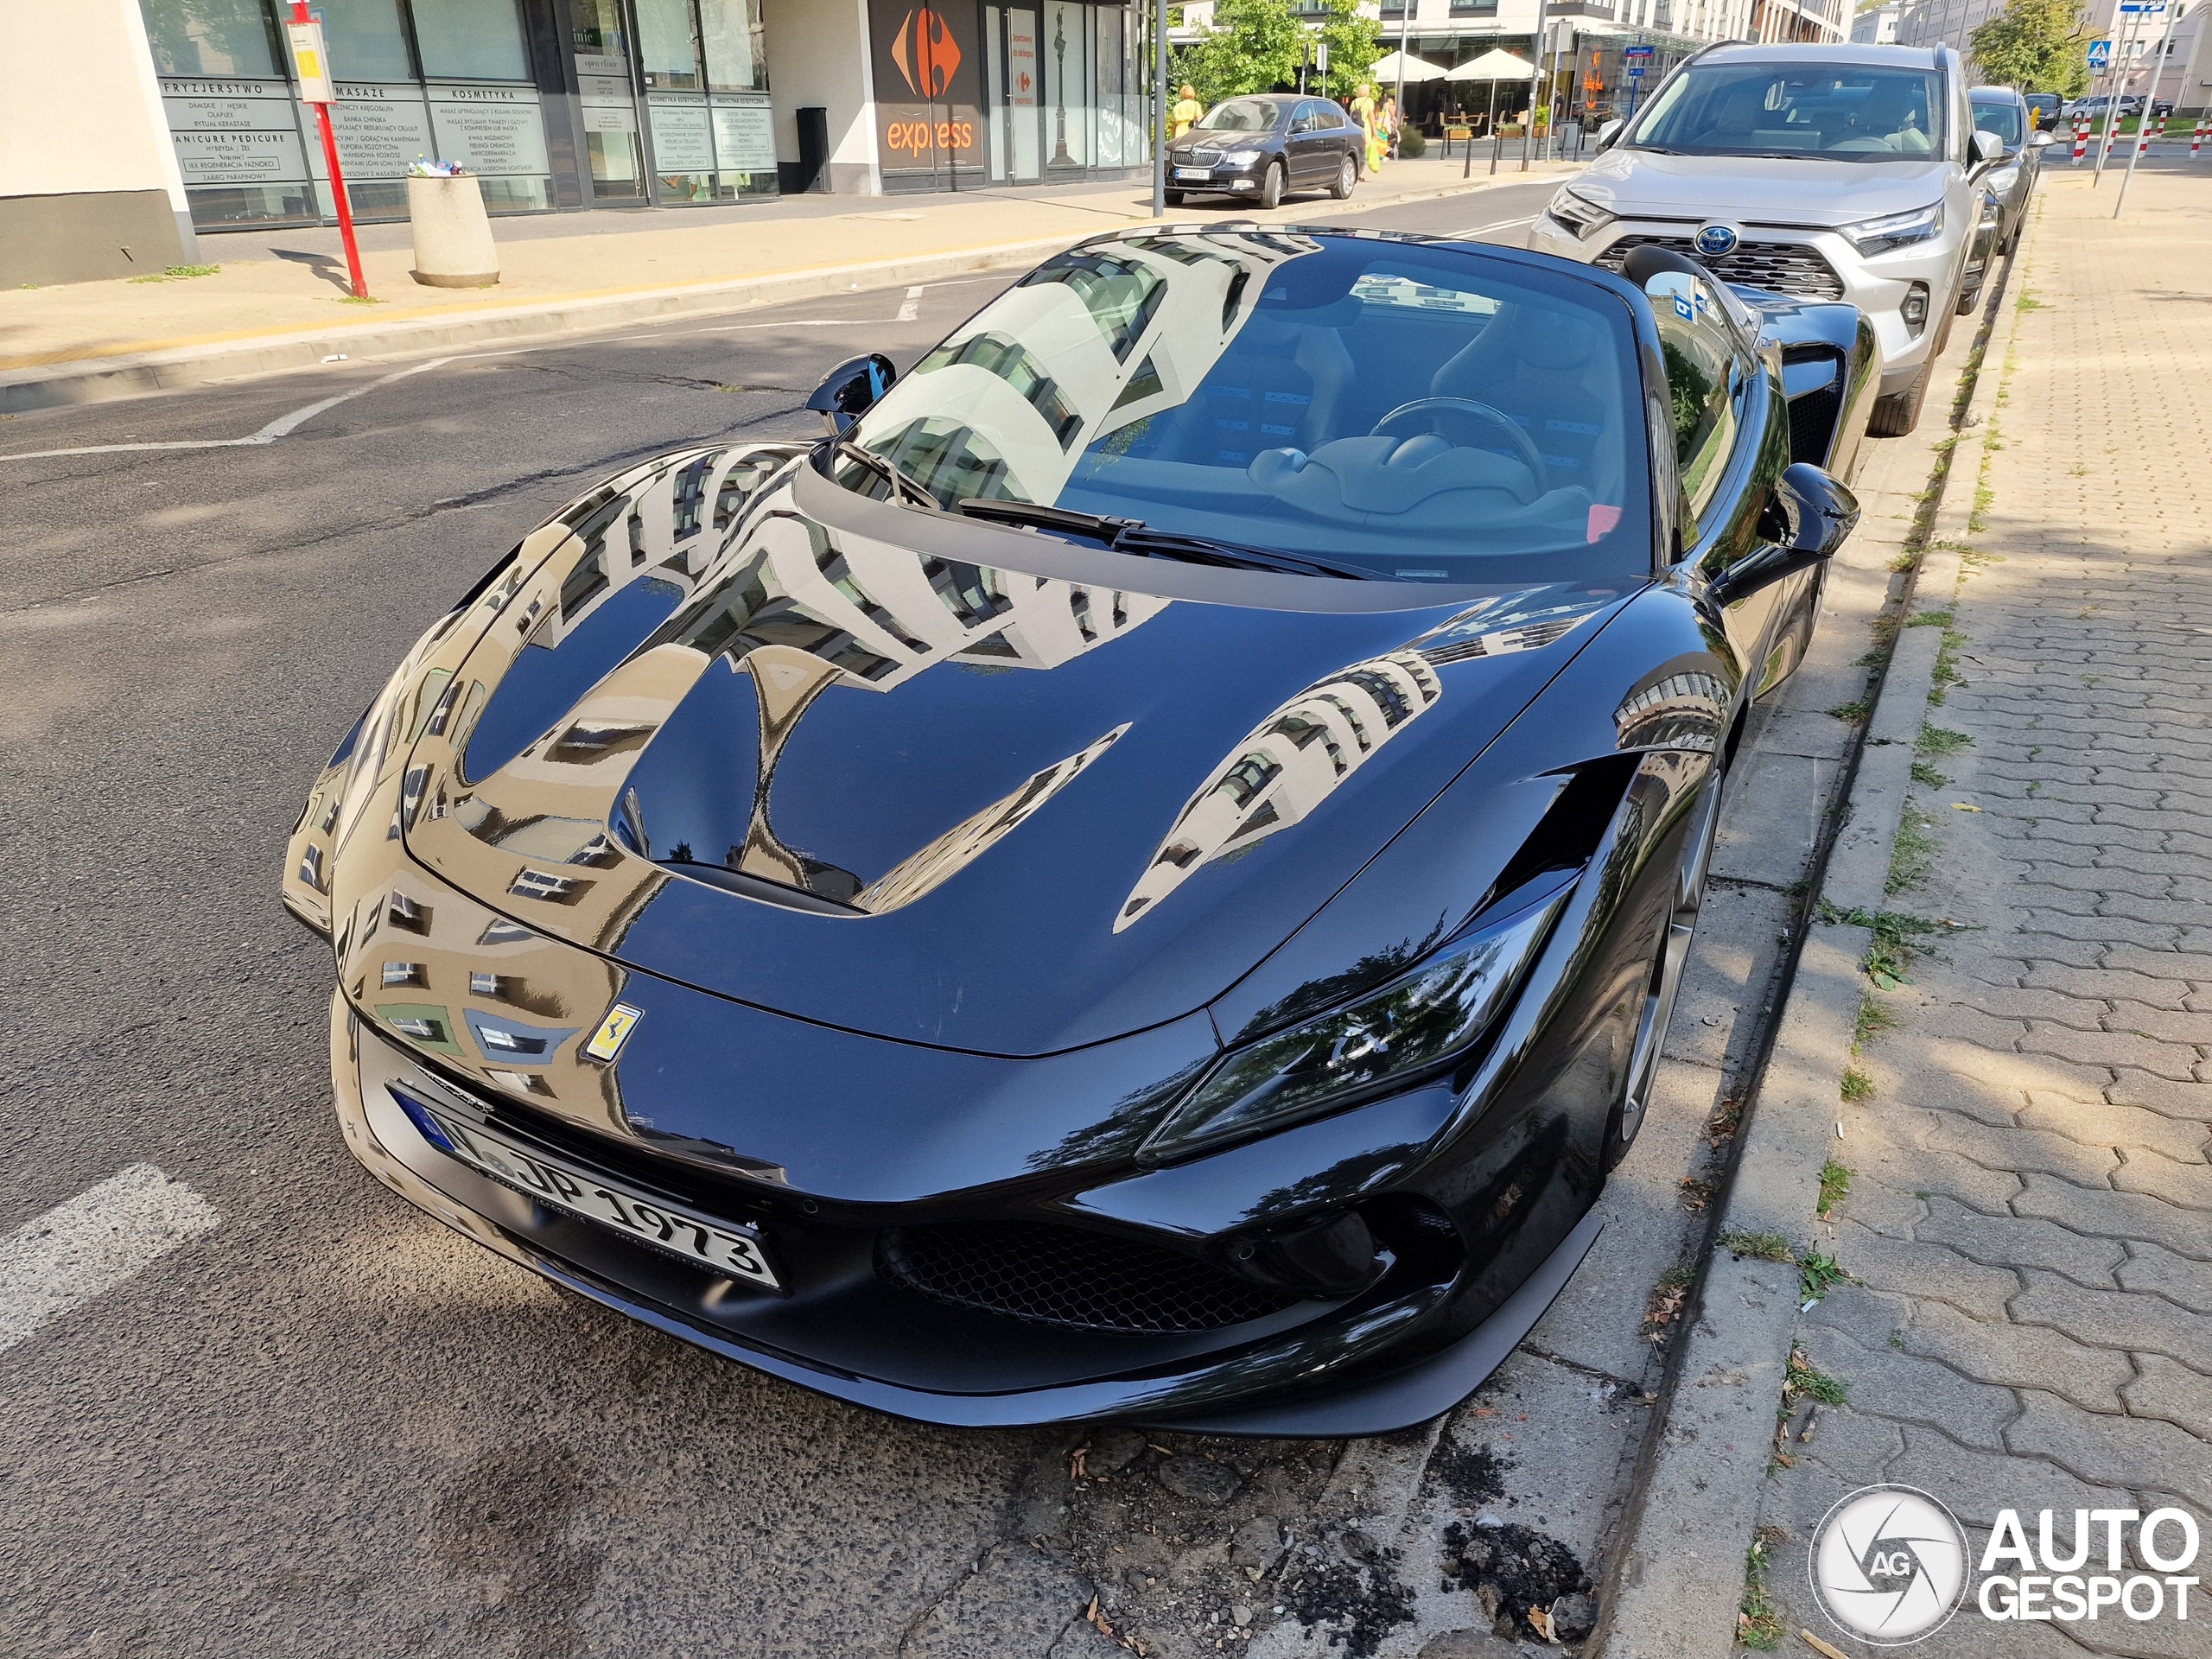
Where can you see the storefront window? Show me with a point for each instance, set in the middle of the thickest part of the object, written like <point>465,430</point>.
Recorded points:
<point>365,40</point>
<point>707,82</point>
<point>736,46</point>
<point>470,40</point>
<point>249,150</point>
<point>212,37</point>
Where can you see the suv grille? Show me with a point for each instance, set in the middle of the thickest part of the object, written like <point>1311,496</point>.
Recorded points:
<point>1788,268</point>
<point>1071,1277</point>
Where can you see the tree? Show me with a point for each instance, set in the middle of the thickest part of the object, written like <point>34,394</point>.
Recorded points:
<point>2038,44</point>
<point>1255,45</point>
<point>1354,44</point>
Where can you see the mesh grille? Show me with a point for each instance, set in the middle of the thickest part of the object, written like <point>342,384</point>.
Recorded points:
<point>1779,267</point>
<point>1067,1277</point>
<point>1812,423</point>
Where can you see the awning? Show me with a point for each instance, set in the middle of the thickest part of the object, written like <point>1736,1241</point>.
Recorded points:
<point>1403,65</point>
<point>1495,65</point>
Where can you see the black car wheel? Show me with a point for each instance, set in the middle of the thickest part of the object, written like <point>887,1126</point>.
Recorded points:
<point>1174,198</point>
<point>1968,298</point>
<point>1347,176</point>
<point>1670,952</point>
<point>1271,187</point>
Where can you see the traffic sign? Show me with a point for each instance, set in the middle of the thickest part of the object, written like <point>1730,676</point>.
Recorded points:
<point>1636,51</point>
<point>2154,7</point>
<point>2099,55</point>
<point>1636,72</point>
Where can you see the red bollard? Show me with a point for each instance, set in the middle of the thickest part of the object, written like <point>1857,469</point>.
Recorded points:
<point>2080,136</point>
<point>2196,141</point>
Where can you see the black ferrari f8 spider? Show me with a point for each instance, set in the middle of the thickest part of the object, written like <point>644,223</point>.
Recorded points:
<point>1142,876</point>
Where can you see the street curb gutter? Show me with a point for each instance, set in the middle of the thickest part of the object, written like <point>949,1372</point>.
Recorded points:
<point>102,378</point>
<point>1677,1578</point>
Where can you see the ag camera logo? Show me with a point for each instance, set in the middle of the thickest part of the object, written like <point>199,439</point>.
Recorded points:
<point>1889,1564</point>
<point>1715,240</point>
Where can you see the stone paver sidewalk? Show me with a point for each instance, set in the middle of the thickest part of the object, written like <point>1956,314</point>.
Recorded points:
<point>2030,1213</point>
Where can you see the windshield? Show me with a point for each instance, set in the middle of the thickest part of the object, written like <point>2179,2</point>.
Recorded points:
<point>1843,113</point>
<point>2003,119</point>
<point>1241,114</point>
<point>1424,413</point>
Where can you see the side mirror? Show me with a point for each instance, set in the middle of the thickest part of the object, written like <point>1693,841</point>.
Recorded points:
<point>1988,147</point>
<point>2041,141</point>
<point>1607,133</point>
<point>1805,522</point>
<point>850,390</point>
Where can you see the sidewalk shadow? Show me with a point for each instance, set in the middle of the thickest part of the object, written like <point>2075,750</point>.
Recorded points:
<point>327,266</point>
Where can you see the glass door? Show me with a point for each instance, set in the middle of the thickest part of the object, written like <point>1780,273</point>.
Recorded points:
<point>607,90</point>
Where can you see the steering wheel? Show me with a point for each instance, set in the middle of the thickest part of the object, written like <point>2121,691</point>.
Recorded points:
<point>1467,408</point>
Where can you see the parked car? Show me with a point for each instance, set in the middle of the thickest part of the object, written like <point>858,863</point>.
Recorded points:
<point>2007,181</point>
<point>2094,107</point>
<point>1833,172</point>
<point>2046,108</point>
<point>1142,877</point>
<point>1266,149</point>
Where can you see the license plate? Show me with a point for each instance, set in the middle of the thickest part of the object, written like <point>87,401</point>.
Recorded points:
<point>1194,172</point>
<point>715,1245</point>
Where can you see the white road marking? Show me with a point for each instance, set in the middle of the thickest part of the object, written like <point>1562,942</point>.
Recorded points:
<point>269,434</point>
<point>90,1244</point>
<point>913,307</point>
<point>1494,225</point>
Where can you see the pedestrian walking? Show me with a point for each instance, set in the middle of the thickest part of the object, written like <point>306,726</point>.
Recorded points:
<point>1363,112</point>
<point>1185,114</point>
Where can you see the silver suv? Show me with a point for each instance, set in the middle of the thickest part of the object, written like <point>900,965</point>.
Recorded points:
<point>1824,172</point>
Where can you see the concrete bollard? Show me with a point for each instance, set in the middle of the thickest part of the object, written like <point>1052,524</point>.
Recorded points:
<point>452,234</point>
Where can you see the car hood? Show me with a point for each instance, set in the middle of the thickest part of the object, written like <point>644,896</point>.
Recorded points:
<point>1758,190</point>
<point>965,805</point>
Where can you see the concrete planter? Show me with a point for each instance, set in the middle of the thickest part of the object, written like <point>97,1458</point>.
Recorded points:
<point>453,235</point>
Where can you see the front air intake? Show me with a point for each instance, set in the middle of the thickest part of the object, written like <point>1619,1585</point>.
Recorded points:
<point>1071,1277</point>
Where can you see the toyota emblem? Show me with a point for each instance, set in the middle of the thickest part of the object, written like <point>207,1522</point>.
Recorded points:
<point>1715,240</point>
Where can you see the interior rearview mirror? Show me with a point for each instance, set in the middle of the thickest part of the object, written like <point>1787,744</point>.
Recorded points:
<point>1805,521</point>
<point>1988,147</point>
<point>850,390</point>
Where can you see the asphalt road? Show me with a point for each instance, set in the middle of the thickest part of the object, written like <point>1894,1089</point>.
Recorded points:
<point>326,1424</point>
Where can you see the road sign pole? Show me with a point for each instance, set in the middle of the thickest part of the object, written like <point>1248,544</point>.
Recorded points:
<point>310,63</point>
<point>1536,69</point>
<point>1159,109</point>
<point>2143,126</point>
<point>2116,88</point>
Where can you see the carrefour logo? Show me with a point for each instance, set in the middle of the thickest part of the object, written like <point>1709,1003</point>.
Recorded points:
<point>925,53</point>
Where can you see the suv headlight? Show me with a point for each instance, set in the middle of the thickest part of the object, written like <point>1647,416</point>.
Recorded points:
<point>1874,236</point>
<point>1578,213</point>
<point>1242,157</point>
<point>1419,1022</point>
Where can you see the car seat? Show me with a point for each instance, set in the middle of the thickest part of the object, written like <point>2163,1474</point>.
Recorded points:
<point>1533,366</point>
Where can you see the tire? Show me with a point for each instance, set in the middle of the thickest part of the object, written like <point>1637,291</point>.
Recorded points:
<point>1898,414</point>
<point>1172,198</point>
<point>1968,298</point>
<point>1347,176</point>
<point>1271,188</point>
<point>1671,950</point>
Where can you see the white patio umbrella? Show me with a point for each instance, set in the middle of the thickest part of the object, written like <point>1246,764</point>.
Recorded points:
<point>1400,67</point>
<point>1494,66</point>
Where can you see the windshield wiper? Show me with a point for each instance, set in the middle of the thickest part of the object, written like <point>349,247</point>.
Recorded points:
<point>1133,536</point>
<point>900,482</point>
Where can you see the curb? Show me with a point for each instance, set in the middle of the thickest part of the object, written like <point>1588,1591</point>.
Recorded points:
<point>1677,1577</point>
<point>97,379</point>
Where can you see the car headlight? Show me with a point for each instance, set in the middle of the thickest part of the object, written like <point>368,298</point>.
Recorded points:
<point>1874,236</point>
<point>1242,157</point>
<point>1578,213</point>
<point>1419,1022</point>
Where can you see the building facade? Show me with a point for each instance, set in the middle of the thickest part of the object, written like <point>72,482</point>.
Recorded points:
<point>2174,68</point>
<point>560,104</point>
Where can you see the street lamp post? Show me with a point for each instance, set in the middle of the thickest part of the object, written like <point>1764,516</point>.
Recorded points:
<point>1159,109</point>
<point>1536,71</point>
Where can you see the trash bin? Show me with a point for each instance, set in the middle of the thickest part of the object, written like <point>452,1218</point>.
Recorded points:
<point>452,233</point>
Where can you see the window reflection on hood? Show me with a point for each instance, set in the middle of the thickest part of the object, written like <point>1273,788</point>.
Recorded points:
<point>1431,412</point>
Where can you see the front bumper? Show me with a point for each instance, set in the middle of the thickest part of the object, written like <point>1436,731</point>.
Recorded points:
<point>1878,286</point>
<point>1323,1376</point>
<point>1221,180</point>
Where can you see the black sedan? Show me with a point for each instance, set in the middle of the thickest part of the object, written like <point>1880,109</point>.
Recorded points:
<point>1142,877</point>
<point>1263,148</point>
